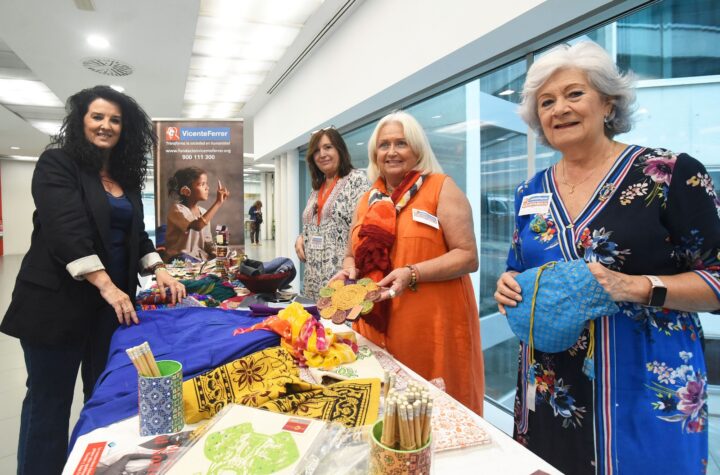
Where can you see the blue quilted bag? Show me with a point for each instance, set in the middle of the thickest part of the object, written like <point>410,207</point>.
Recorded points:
<point>559,298</point>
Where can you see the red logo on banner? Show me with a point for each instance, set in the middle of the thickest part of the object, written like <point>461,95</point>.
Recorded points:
<point>172,134</point>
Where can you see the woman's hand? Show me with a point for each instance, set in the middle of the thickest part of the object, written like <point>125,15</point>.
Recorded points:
<point>394,284</point>
<point>300,248</point>
<point>116,298</point>
<point>222,193</point>
<point>121,303</point>
<point>508,292</point>
<point>165,280</point>
<point>621,287</point>
<point>345,274</point>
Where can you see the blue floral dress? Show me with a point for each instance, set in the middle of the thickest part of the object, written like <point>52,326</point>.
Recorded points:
<point>646,409</point>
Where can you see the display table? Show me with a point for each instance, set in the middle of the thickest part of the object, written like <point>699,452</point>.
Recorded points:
<point>116,397</point>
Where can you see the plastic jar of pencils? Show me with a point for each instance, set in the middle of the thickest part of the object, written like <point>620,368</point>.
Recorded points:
<point>384,459</point>
<point>160,402</point>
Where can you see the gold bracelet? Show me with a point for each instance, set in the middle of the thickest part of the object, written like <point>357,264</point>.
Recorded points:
<point>156,266</point>
<point>413,278</point>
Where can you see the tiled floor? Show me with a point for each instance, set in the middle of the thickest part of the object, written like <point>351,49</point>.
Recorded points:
<point>12,375</point>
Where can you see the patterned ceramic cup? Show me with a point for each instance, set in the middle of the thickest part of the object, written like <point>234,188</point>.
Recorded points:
<point>160,400</point>
<point>384,460</point>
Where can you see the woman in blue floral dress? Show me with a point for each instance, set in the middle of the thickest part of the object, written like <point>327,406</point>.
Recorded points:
<point>646,222</point>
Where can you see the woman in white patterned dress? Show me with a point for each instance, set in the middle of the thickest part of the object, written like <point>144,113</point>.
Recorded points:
<point>337,186</point>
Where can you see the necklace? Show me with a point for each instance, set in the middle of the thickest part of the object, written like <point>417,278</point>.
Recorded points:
<point>572,186</point>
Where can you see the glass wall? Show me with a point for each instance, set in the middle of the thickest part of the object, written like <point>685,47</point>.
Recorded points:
<point>673,47</point>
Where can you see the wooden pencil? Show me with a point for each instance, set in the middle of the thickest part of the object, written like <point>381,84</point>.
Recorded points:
<point>418,424</point>
<point>151,359</point>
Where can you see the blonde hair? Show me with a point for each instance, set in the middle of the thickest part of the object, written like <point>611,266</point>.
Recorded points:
<point>414,134</point>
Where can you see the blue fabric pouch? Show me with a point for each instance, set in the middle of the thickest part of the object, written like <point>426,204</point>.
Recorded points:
<point>565,296</point>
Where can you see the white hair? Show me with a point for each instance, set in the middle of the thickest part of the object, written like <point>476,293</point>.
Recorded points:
<point>415,136</point>
<point>602,74</point>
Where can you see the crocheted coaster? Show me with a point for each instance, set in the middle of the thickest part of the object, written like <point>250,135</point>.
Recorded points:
<point>341,301</point>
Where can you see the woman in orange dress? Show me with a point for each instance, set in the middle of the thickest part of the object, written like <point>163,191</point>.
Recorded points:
<point>413,234</point>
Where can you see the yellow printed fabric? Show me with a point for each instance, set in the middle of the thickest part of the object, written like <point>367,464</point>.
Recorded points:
<point>269,379</point>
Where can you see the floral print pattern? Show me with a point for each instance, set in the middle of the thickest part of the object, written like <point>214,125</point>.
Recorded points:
<point>638,224</point>
<point>597,247</point>
<point>552,391</point>
<point>681,394</point>
<point>544,227</point>
<point>657,169</point>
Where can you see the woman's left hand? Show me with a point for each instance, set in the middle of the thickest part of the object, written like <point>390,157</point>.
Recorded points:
<point>165,280</point>
<point>617,284</point>
<point>394,283</point>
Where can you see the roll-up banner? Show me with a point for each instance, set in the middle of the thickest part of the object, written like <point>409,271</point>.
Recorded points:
<point>216,147</point>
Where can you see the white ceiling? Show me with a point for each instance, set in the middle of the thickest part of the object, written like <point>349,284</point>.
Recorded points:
<point>155,37</point>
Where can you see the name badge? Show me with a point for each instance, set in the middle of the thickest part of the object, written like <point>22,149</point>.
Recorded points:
<point>424,217</point>
<point>538,203</point>
<point>316,242</point>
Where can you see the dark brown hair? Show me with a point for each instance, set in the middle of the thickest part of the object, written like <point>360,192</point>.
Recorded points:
<point>337,141</point>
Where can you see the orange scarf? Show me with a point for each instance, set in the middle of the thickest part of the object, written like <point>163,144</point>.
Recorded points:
<point>377,236</point>
<point>323,194</point>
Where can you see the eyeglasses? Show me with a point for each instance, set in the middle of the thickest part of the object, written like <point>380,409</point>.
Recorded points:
<point>322,130</point>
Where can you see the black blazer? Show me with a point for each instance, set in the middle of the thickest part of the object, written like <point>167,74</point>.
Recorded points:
<point>71,221</point>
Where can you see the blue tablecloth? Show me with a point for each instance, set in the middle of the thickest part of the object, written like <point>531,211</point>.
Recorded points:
<point>199,338</point>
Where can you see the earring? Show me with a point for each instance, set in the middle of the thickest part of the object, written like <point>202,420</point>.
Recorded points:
<point>185,191</point>
<point>607,120</point>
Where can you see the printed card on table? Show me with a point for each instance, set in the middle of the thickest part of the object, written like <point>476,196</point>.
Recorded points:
<point>249,440</point>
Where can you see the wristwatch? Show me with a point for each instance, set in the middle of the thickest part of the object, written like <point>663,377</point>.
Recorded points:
<point>658,292</point>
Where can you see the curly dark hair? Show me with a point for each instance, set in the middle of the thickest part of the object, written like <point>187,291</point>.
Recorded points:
<point>183,177</point>
<point>336,139</point>
<point>128,159</point>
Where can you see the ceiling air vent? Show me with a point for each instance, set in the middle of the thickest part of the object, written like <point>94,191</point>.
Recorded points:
<point>108,66</point>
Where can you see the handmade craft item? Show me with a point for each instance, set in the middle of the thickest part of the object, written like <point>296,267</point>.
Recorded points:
<point>340,301</point>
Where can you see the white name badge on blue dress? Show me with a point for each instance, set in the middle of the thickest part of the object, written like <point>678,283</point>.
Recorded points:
<point>537,203</point>
<point>316,242</point>
<point>424,217</point>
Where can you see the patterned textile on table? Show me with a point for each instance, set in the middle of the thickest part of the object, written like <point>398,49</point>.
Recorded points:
<point>646,411</point>
<point>270,379</point>
<point>199,338</point>
<point>308,340</point>
<point>334,228</point>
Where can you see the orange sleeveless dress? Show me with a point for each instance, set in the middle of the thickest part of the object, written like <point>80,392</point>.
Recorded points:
<point>436,330</point>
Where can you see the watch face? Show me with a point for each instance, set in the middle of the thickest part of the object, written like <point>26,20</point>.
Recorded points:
<point>657,298</point>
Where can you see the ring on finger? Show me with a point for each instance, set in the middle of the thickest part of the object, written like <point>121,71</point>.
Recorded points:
<point>392,293</point>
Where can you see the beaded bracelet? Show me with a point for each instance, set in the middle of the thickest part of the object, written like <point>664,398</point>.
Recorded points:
<point>413,278</point>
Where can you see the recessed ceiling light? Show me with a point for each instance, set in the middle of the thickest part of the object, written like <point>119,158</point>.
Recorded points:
<point>360,143</point>
<point>264,165</point>
<point>14,148</point>
<point>117,88</point>
<point>506,92</point>
<point>248,155</point>
<point>436,116</point>
<point>97,41</point>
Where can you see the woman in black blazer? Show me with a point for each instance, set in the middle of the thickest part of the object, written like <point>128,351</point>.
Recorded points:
<point>77,282</point>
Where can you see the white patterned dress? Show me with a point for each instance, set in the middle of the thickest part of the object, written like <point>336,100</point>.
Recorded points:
<point>324,260</point>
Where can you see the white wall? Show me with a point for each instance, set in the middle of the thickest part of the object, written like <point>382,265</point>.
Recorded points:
<point>17,205</point>
<point>388,50</point>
